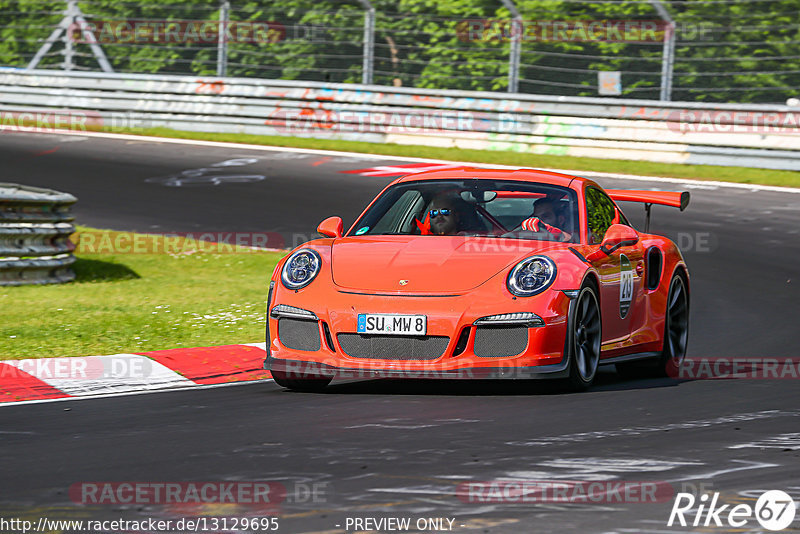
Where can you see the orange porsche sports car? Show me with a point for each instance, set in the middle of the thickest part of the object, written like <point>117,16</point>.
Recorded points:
<point>480,273</point>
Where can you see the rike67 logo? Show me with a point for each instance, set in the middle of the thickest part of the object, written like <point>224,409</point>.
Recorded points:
<point>774,510</point>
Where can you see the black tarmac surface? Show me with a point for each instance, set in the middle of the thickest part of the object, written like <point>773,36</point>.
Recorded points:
<point>401,449</point>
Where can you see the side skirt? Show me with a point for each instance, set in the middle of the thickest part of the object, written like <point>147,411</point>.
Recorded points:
<point>630,358</point>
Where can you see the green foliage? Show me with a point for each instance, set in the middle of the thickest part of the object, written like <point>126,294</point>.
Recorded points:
<point>732,51</point>
<point>600,213</point>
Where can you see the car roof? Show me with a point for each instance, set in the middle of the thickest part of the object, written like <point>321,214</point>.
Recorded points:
<point>523,175</point>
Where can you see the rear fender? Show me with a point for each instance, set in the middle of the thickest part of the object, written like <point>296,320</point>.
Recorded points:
<point>672,260</point>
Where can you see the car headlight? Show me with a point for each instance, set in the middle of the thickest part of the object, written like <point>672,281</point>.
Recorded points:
<point>301,268</point>
<point>531,276</point>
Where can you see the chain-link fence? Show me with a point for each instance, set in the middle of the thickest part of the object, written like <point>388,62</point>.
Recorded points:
<point>699,50</point>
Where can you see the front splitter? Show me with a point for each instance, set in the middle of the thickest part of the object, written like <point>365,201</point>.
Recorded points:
<point>297,369</point>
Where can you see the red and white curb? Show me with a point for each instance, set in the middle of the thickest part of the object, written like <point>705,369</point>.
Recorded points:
<point>45,379</point>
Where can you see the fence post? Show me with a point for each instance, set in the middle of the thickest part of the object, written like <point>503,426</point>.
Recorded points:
<point>222,39</point>
<point>669,55</point>
<point>69,51</point>
<point>369,42</point>
<point>668,51</point>
<point>91,38</point>
<point>515,33</point>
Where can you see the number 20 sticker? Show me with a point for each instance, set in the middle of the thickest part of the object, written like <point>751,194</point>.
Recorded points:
<point>625,285</point>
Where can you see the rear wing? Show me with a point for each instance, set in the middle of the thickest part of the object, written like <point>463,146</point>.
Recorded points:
<point>664,198</point>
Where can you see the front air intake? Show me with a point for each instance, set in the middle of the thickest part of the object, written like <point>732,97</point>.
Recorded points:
<point>388,347</point>
<point>299,334</point>
<point>500,341</point>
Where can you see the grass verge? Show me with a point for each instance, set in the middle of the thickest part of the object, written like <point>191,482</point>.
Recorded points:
<point>189,296</point>
<point>745,175</point>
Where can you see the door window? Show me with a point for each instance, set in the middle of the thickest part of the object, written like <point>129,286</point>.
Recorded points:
<point>600,214</point>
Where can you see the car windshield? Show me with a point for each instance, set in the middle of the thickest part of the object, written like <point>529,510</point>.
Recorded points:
<point>492,208</point>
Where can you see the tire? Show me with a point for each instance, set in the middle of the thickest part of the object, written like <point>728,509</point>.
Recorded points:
<point>676,329</point>
<point>586,331</point>
<point>312,384</point>
<point>676,335</point>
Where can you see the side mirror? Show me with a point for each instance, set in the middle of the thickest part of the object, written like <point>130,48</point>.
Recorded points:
<point>618,235</point>
<point>331,227</point>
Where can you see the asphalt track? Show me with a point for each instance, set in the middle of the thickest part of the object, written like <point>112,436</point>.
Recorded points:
<point>400,449</point>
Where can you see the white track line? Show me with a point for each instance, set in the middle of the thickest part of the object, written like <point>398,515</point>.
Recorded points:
<point>361,155</point>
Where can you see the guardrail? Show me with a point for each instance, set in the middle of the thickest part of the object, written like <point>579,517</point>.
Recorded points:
<point>35,225</point>
<point>763,136</point>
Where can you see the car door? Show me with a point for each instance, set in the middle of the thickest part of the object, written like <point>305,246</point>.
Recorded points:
<point>620,272</point>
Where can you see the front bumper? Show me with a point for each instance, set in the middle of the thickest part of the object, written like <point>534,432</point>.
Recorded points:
<point>450,316</point>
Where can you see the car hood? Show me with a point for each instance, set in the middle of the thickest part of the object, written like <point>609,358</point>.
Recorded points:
<point>424,264</point>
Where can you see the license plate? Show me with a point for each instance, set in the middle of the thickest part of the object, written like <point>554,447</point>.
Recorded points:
<point>401,325</point>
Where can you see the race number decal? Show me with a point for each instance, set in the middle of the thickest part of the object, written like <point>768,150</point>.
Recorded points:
<point>625,285</point>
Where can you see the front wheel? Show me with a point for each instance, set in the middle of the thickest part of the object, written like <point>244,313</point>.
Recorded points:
<point>586,333</point>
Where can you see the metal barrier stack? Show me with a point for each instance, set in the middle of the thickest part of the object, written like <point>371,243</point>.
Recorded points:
<point>35,225</point>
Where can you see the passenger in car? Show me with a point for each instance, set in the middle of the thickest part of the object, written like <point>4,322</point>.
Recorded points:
<point>548,215</point>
